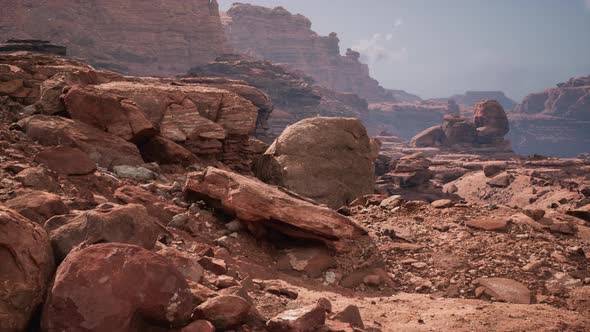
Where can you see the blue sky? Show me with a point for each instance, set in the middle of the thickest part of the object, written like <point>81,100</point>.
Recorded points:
<point>437,48</point>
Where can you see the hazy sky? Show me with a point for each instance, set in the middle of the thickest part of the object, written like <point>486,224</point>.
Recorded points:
<point>436,48</point>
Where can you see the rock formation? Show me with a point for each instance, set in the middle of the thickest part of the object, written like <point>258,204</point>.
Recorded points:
<point>132,37</point>
<point>32,45</point>
<point>281,37</point>
<point>294,94</point>
<point>555,121</point>
<point>488,129</point>
<point>327,159</point>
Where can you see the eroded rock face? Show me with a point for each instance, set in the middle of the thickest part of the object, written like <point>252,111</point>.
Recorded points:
<point>104,149</point>
<point>26,268</point>
<point>327,159</point>
<point>491,121</point>
<point>38,206</point>
<point>554,121</point>
<point>116,287</point>
<point>262,32</point>
<point>255,202</point>
<point>134,37</point>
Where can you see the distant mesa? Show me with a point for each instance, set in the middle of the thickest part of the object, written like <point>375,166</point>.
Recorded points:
<point>470,98</point>
<point>32,45</point>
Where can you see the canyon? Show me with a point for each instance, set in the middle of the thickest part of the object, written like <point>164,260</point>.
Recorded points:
<point>234,172</point>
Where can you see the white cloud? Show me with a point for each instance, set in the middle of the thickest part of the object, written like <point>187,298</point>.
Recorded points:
<point>380,48</point>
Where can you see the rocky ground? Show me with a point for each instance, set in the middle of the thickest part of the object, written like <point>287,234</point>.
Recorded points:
<point>112,220</point>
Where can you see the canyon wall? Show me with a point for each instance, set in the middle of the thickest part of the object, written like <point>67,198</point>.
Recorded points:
<point>554,121</point>
<point>281,37</point>
<point>133,37</point>
<point>470,98</point>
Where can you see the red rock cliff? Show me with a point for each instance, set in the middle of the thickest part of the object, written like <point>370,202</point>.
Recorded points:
<point>135,36</point>
<point>278,36</point>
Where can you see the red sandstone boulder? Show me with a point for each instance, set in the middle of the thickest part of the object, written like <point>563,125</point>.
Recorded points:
<point>66,160</point>
<point>156,206</point>
<point>224,311</point>
<point>330,160</point>
<point>256,202</point>
<point>491,121</point>
<point>38,178</point>
<point>116,287</point>
<point>38,206</point>
<point>26,266</point>
<point>124,224</point>
<point>108,112</point>
<point>459,131</point>
<point>105,149</point>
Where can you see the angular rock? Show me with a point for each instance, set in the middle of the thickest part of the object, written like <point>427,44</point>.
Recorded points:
<point>26,268</point>
<point>108,112</point>
<point>186,264</point>
<point>442,204</point>
<point>253,201</point>
<point>306,319</point>
<point>214,265</point>
<point>506,290</point>
<point>105,149</point>
<point>129,224</point>
<point>38,206</point>
<point>327,159</point>
<point>224,311</point>
<point>502,180</point>
<point>116,287</point>
<point>66,160</point>
<point>38,178</point>
<point>489,224</point>
<point>132,172</point>
<point>459,131</point>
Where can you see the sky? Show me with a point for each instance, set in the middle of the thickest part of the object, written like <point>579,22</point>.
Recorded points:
<point>437,48</point>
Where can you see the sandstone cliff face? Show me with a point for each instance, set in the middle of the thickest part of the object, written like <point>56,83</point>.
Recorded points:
<point>134,37</point>
<point>278,36</point>
<point>554,121</point>
<point>294,95</point>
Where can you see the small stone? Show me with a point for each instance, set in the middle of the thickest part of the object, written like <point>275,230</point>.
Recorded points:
<point>225,282</point>
<point>214,265</point>
<point>224,312</point>
<point>492,169</point>
<point>507,290</point>
<point>306,319</point>
<point>489,224</point>
<point>501,181</point>
<point>536,214</point>
<point>442,204</point>
<point>391,202</point>
<point>132,172</point>
<point>234,226</point>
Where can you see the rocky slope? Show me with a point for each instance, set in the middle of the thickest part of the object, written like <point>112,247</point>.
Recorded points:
<point>555,121</point>
<point>112,218</point>
<point>281,37</point>
<point>132,37</point>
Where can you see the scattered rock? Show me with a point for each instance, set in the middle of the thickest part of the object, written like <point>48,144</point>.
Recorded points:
<point>214,265</point>
<point>507,290</point>
<point>582,213</point>
<point>38,178</point>
<point>536,214</point>
<point>306,319</point>
<point>224,312</point>
<point>186,264</point>
<point>38,206</point>
<point>489,224</point>
<point>122,224</point>
<point>137,173</point>
<point>442,204</point>
<point>66,160</point>
<point>492,169</point>
<point>313,261</point>
<point>502,180</point>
